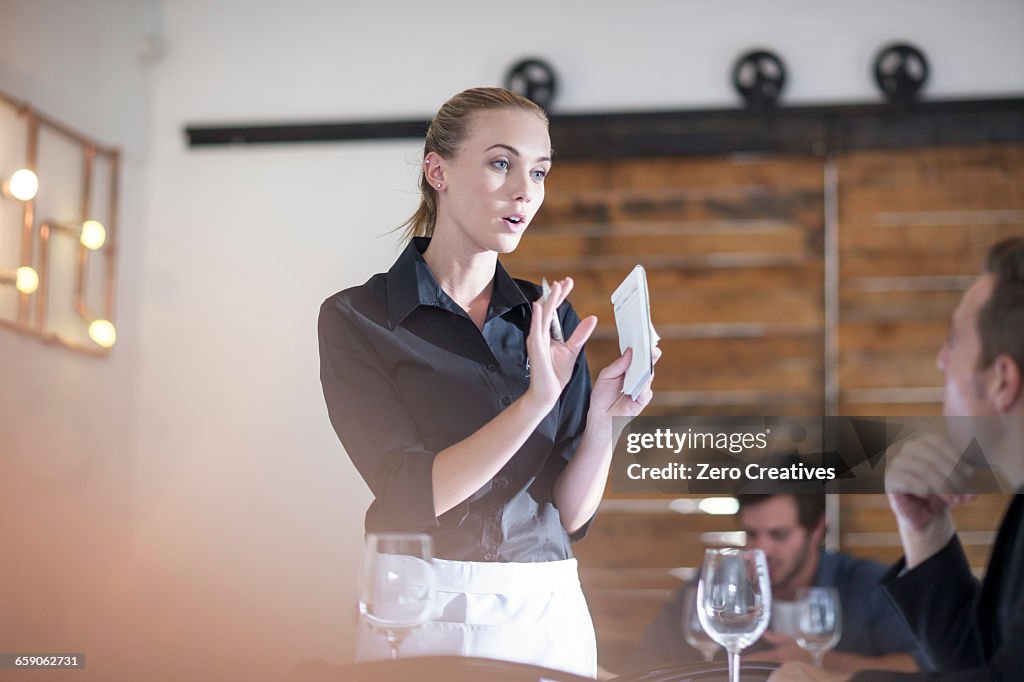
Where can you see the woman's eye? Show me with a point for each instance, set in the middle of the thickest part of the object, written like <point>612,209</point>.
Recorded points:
<point>501,164</point>
<point>539,175</point>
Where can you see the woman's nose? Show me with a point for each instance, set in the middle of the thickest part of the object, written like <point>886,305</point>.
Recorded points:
<point>525,190</point>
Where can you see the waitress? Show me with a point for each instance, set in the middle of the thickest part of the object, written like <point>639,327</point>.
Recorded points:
<point>466,414</point>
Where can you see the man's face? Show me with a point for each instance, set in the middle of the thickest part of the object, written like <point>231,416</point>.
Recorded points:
<point>970,390</point>
<point>773,526</point>
<point>964,394</point>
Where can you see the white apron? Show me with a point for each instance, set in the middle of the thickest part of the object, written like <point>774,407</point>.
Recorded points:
<point>527,612</point>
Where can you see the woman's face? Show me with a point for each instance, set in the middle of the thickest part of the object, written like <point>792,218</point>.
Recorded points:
<point>494,185</point>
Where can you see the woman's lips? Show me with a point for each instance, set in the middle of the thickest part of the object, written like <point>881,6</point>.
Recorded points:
<point>514,226</point>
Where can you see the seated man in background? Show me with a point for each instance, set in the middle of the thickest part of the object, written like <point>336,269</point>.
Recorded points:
<point>790,530</point>
<point>974,633</point>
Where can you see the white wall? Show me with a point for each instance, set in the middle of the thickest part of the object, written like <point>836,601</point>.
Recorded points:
<point>242,497</point>
<point>339,59</point>
<point>67,487</point>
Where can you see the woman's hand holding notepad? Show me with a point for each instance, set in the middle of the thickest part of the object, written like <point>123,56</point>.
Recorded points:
<point>632,305</point>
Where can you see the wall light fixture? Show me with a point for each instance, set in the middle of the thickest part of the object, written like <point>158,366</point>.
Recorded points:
<point>62,173</point>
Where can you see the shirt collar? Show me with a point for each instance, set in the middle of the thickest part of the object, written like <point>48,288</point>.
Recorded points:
<point>412,284</point>
<point>828,569</point>
<point>507,293</point>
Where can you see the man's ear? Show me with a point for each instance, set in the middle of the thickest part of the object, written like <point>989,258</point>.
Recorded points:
<point>1006,390</point>
<point>818,532</point>
<point>434,170</point>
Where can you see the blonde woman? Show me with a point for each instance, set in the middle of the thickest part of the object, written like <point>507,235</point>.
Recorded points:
<point>466,418</point>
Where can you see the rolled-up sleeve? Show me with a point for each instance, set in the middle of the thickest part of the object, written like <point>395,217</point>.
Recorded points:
<point>372,424</point>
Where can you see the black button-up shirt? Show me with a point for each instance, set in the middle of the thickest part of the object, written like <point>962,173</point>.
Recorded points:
<point>406,373</point>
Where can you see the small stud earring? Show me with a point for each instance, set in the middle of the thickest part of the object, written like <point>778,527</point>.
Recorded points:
<point>439,185</point>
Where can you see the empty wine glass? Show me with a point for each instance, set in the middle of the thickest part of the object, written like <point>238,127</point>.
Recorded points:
<point>693,630</point>
<point>735,600</point>
<point>821,620</point>
<point>396,584</point>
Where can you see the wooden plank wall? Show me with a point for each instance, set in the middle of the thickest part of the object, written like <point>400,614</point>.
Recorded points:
<point>733,252</point>
<point>914,227</point>
<point>736,259</point>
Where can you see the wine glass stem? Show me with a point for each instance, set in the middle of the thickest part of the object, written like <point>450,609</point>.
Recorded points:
<point>734,666</point>
<point>394,641</point>
<point>818,656</point>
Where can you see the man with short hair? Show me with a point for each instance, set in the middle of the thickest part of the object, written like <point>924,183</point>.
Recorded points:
<point>974,633</point>
<point>790,529</point>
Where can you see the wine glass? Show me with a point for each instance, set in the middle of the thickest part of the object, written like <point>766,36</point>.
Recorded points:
<point>734,600</point>
<point>821,620</point>
<point>396,584</point>
<point>693,630</point>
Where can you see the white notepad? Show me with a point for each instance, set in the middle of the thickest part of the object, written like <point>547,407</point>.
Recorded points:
<point>632,305</point>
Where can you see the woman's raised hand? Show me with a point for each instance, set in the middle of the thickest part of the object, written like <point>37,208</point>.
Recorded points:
<point>551,361</point>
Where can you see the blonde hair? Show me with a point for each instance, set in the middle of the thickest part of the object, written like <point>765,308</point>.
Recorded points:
<point>448,130</point>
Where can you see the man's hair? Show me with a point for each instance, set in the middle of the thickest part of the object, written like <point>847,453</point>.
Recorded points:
<point>809,508</point>
<point>1001,318</point>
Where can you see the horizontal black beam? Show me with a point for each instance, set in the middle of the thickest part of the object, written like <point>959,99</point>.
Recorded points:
<point>801,130</point>
<point>206,136</point>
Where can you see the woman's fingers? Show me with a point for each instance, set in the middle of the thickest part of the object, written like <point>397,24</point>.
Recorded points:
<point>539,330</point>
<point>567,285</point>
<point>559,291</point>
<point>618,366</point>
<point>549,304</point>
<point>582,332</point>
<point>538,343</point>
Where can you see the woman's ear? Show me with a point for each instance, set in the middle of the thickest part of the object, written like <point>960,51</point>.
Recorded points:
<point>434,170</point>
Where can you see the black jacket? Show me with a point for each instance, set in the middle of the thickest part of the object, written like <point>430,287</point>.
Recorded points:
<point>972,632</point>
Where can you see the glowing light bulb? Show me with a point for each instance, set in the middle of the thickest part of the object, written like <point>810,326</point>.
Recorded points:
<point>26,280</point>
<point>93,234</point>
<point>719,505</point>
<point>23,185</point>
<point>102,332</point>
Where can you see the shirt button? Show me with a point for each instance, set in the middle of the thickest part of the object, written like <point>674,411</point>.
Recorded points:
<point>506,401</point>
<point>500,482</point>
<point>492,367</point>
<point>488,557</point>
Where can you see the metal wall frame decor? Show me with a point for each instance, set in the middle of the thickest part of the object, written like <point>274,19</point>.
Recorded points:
<point>33,269</point>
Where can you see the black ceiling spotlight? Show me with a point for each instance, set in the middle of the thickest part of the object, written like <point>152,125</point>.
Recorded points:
<point>901,70</point>
<point>535,80</point>
<point>759,76</point>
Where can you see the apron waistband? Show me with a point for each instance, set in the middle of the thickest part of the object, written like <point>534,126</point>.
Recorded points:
<point>498,578</point>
